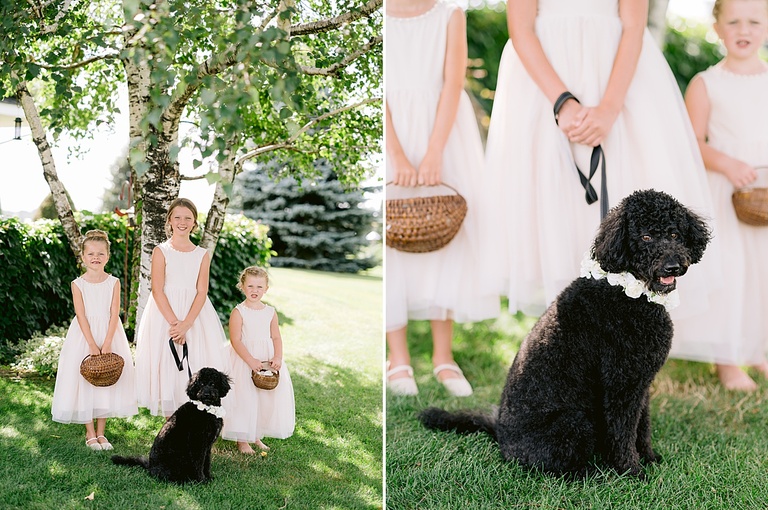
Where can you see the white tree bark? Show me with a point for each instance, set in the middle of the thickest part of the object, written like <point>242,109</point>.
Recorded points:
<point>228,170</point>
<point>657,20</point>
<point>58,192</point>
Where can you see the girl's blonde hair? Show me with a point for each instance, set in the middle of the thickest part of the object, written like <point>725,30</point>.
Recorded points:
<point>718,7</point>
<point>180,202</point>
<point>258,272</point>
<point>95,235</point>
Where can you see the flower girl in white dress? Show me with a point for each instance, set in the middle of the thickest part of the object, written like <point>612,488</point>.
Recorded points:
<point>96,329</point>
<point>253,413</point>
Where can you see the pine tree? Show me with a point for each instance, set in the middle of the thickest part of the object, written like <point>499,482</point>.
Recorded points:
<point>315,224</point>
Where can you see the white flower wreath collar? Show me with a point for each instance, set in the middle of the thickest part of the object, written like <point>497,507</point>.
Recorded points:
<point>633,287</point>
<point>217,411</point>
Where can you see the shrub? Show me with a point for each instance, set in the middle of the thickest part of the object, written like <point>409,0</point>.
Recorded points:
<point>41,352</point>
<point>38,267</point>
<point>242,243</point>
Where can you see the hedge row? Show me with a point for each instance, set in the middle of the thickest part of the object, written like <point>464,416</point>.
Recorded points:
<point>37,267</point>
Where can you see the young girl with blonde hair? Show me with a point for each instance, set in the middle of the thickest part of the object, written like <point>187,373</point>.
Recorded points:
<point>728,107</point>
<point>96,329</point>
<point>255,340</point>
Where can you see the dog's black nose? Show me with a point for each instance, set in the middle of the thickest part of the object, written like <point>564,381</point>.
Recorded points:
<point>672,268</point>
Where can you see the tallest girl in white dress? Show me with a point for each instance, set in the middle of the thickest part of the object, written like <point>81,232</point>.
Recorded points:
<point>179,310</point>
<point>628,102</point>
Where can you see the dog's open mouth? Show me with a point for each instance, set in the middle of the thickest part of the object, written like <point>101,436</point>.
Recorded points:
<point>667,280</point>
<point>664,284</point>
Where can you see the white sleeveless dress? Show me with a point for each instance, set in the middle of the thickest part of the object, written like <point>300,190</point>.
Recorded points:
<point>253,413</point>
<point>546,224</point>
<point>75,400</point>
<point>450,283</point>
<point>160,385</point>
<point>734,331</point>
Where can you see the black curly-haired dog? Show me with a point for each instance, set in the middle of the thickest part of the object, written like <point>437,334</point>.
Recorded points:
<point>578,388</point>
<point>181,451</point>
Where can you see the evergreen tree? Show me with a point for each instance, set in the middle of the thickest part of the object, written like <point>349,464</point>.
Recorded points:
<point>315,224</point>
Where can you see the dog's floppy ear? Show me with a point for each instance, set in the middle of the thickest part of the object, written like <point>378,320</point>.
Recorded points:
<point>611,245</point>
<point>194,386</point>
<point>697,235</point>
<point>225,384</point>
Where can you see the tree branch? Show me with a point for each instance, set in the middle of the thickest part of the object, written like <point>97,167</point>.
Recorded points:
<point>288,144</point>
<point>38,10</point>
<point>192,177</point>
<point>334,69</point>
<point>267,19</point>
<point>329,24</point>
<point>77,65</point>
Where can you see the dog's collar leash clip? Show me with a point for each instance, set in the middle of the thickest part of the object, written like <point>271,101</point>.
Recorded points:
<point>217,411</point>
<point>633,287</point>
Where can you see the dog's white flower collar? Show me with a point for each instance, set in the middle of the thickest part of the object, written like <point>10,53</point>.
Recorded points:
<point>217,411</point>
<point>633,287</point>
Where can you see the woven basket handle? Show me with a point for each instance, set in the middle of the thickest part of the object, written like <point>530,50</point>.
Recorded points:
<point>266,362</point>
<point>99,354</point>
<point>441,184</point>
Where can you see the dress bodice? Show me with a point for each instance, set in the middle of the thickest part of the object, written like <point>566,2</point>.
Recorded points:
<point>181,267</point>
<point>97,297</point>
<point>415,53</point>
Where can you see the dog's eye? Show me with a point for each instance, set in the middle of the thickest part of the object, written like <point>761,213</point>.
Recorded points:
<point>674,235</point>
<point>646,237</point>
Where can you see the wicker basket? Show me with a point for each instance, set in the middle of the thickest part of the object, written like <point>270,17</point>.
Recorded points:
<point>424,224</point>
<point>751,204</point>
<point>266,378</point>
<point>102,369</point>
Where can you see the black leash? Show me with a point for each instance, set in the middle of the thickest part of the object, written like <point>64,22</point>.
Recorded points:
<point>184,355</point>
<point>598,158</point>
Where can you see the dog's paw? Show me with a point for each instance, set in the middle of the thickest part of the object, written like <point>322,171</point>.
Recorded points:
<point>629,468</point>
<point>650,457</point>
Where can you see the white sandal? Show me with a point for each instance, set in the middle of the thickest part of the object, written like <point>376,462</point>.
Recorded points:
<point>106,445</point>
<point>456,386</point>
<point>402,385</point>
<point>93,443</point>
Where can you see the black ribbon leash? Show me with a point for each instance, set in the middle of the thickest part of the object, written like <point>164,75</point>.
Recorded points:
<point>184,355</point>
<point>597,158</point>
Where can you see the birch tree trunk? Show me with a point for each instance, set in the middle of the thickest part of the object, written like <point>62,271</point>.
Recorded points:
<point>155,188</point>
<point>58,192</point>
<point>657,20</point>
<point>215,219</point>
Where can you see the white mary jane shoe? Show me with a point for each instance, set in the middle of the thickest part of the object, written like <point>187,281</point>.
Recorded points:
<point>456,386</point>
<point>403,385</point>
<point>93,444</point>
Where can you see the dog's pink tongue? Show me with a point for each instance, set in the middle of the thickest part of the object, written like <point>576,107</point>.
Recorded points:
<point>667,280</point>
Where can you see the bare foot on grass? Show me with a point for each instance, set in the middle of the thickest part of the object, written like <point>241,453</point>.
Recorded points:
<point>733,378</point>
<point>245,448</point>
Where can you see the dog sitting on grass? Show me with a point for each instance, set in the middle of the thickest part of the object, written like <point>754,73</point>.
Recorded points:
<point>579,386</point>
<point>181,451</point>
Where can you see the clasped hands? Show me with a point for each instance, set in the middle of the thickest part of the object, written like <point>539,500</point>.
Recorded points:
<point>274,364</point>
<point>177,331</point>
<point>585,125</point>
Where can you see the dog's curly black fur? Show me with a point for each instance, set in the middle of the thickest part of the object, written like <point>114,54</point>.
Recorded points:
<point>181,451</point>
<point>578,388</point>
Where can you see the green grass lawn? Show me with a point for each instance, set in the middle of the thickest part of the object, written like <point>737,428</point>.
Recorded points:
<point>713,443</point>
<point>331,327</point>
